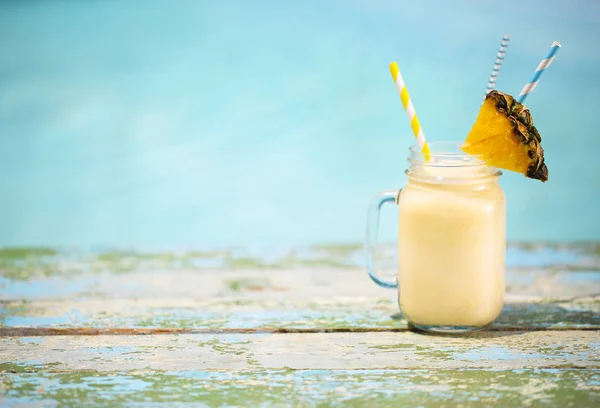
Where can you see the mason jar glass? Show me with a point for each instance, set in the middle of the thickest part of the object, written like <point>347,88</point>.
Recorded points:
<point>451,241</point>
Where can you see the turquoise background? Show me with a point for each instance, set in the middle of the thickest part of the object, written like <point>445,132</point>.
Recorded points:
<point>273,122</point>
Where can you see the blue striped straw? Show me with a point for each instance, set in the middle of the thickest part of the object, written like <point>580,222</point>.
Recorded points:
<point>498,64</point>
<point>527,89</point>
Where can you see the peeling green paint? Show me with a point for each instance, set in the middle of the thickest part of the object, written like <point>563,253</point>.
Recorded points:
<point>436,354</point>
<point>248,284</point>
<point>249,263</point>
<point>224,347</point>
<point>21,253</point>
<point>564,388</point>
<point>393,346</point>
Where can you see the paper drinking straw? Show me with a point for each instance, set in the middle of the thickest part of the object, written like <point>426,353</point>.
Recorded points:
<point>410,110</point>
<point>527,89</point>
<point>497,64</point>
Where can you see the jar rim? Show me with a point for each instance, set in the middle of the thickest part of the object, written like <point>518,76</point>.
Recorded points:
<point>448,155</point>
<point>445,150</point>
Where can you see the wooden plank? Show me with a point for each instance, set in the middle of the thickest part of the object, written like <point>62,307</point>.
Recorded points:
<point>549,287</point>
<point>326,351</point>
<point>255,313</point>
<point>289,284</point>
<point>272,297</point>
<point>547,271</point>
<point>30,263</point>
<point>29,386</point>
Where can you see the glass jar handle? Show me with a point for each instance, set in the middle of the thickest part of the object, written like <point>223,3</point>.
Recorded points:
<point>383,197</point>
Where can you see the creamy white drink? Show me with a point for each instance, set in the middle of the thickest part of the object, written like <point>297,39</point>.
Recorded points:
<point>451,246</point>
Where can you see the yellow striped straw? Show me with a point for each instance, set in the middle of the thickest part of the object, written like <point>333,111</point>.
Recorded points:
<point>410,110</point>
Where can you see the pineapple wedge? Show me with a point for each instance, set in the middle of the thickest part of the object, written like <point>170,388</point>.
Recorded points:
<point>504,136</point>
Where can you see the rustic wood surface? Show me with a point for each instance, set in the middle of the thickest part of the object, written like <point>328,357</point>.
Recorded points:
<point>284,326</point>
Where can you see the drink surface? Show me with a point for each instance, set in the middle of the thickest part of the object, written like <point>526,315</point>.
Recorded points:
<point>451,248</point>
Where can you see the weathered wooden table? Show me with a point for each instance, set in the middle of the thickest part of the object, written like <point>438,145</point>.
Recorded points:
<point>300,327</point>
